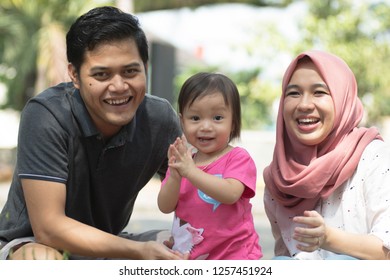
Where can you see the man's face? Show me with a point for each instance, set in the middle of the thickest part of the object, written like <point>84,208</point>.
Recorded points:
<point>112,83</point>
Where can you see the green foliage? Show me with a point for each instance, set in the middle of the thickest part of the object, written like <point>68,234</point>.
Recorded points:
<point>152,5</point>
<point>26,28</point>
<point>359,33</point>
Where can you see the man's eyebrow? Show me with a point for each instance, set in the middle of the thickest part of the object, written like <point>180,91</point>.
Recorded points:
<point>134,64</point>
<point>100,68</point>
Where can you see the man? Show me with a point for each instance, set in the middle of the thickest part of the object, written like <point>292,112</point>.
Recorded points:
<point>86,149</point>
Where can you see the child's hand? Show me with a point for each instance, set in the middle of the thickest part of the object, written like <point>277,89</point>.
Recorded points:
<point>171,160</point>
<point>181,145</point>
<point>181,157</point>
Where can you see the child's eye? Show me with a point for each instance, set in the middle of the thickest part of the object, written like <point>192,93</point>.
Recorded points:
<point>195,118</point>
<point>218,118</point>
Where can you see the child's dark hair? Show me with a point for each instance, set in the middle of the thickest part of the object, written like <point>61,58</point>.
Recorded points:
<point>202,84</point>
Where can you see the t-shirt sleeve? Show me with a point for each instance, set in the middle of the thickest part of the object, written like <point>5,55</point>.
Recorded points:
<point>241,167</point>
<point>42,145</point>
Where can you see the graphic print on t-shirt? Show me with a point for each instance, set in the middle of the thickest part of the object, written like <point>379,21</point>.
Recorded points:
<point>209,199</point>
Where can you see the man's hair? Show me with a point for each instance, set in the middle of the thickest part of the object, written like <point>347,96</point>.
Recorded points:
<point>103,25</point>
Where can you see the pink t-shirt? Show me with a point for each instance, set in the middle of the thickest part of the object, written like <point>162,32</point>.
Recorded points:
<point>226,232</point>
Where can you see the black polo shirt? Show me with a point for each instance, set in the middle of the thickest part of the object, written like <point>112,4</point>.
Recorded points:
<point>58,142</point>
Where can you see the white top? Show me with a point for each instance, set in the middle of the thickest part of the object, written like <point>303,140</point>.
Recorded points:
<point>361,205</point>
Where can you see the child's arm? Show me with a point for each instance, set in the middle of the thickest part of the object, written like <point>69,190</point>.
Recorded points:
<point>169,193</point>
<point>226,191</point>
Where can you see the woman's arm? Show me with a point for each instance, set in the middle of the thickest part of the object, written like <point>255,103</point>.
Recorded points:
<point>361,246</point>
<point>318,235</point>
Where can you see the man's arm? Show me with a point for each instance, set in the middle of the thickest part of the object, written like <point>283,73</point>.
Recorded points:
<point>46,208</point>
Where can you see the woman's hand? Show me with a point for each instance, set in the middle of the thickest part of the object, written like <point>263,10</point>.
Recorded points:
<point>311,233</point>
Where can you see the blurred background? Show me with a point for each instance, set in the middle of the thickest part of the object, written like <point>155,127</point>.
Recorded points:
<point>250,41</point>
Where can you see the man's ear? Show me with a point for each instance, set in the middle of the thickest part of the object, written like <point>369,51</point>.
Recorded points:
<point>74,76</point>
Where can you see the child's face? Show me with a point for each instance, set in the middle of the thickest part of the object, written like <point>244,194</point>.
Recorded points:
<point>207,123</point>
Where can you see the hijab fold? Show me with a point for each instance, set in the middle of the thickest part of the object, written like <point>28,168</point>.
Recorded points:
<point>300,186</point>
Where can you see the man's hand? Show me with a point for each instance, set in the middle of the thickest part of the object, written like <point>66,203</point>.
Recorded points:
<point>156,251</point>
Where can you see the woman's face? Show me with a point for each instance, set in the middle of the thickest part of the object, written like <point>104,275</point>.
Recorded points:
<point>308,110</point>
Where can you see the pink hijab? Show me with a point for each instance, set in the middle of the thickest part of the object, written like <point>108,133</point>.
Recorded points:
<point>299,186</point>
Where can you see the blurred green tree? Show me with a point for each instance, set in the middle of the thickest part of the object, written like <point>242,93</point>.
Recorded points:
<point>357,31</point>
<point>32,49</point>
<point>152,5</point>
<point>32,42</point>
<point>32,52</point>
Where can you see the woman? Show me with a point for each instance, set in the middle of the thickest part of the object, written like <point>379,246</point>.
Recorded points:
<point>327,192</point>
